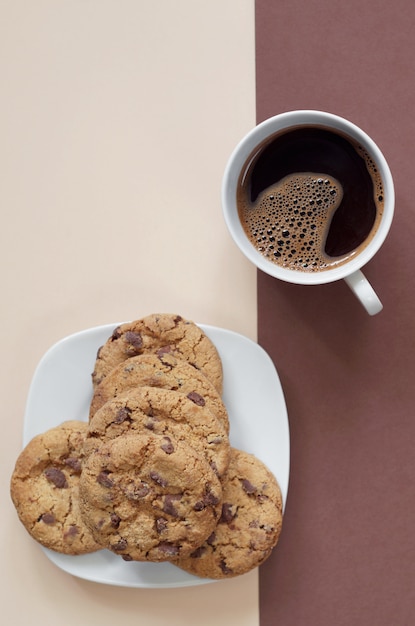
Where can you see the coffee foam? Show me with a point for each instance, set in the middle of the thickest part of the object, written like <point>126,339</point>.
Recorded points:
<point>376,179</point>
<point>289,221</point>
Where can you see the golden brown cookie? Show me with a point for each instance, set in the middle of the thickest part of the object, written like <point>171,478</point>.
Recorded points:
<point>249,526</point>
<point>166,372</point>
<point>44,489</point>
<point>149,497</point>
<point>160,333</point>
<point>164,412</point>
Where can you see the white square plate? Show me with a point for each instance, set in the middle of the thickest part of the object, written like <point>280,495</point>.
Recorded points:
<point>61,390</point>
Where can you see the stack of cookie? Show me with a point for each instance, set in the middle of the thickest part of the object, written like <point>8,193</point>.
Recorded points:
<point>152,476</point>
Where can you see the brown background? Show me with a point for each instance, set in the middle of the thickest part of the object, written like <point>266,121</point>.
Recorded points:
<point>347,551</point>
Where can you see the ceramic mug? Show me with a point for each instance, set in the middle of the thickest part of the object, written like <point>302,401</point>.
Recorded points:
<point>258,176</point>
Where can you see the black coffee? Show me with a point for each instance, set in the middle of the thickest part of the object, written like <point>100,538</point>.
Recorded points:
<point>309,199</point>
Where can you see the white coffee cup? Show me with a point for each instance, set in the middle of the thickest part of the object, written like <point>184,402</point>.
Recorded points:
<point>350,270</point>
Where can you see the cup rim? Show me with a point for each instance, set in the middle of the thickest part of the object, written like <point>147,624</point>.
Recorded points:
<point>237,160</point>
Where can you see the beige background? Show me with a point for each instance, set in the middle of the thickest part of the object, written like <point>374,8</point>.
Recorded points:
<point>116,121</point>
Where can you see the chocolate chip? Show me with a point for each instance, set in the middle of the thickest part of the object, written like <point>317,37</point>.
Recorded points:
<point>158,479</point>
<point>47,518</point>
<point>122,415</point>
<point>196,398</point>
<point>137,491</point>
<point>248,487</point>
<point>56,477</point>
<point>196,554</point>
<point>120,545</point>
<point>225,569</point>
<point>115,520</point>
<point>116,334</point>
<point>227,514</point>
<point>164,350</point>
<point>209,499</point>
<point>74,463</point>
<point>211,539</point>
<point>168,503</point>
<point>167,446</point>
<point>142,490</point>
<point>168,548</point>
<point>104,479</point>
<point>72,531</point>
<point>126,557</point>
<point>161,525</point>
<point>177,319</point>
<point>135,342</point>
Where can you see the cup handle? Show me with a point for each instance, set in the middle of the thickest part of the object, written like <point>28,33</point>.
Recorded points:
<point>364,292</point>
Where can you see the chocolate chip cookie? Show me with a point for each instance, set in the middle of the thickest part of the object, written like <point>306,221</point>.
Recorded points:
<point>149,497</point>
<point>249,526</point>
<point>164,412</point>
<point>44,489</point>
<point>164,371</point>
<point>158,333</point>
